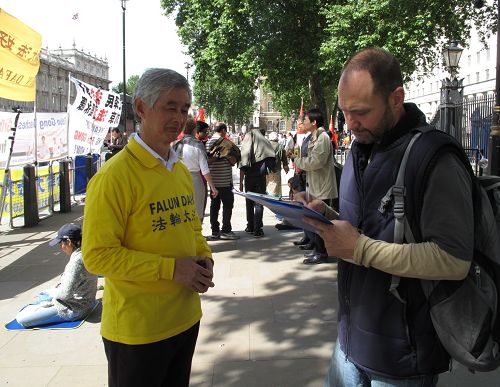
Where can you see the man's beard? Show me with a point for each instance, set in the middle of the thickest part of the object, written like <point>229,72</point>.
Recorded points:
<point>384,126</point>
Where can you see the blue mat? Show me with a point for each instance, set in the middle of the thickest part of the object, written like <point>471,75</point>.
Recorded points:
<point>15,326</point>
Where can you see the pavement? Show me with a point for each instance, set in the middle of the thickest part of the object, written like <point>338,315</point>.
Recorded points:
<point>270,321</point>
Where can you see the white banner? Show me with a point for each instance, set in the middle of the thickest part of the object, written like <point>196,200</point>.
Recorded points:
<point>6,124</point>
<point>100,107</point>
<point>51,144</point>
<point>85,136</point>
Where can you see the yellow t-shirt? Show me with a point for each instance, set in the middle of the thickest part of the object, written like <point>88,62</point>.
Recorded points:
<point>138,217</point>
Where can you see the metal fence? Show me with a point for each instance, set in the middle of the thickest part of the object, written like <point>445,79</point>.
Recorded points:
<point>47,188</point>
<point>469,122</point>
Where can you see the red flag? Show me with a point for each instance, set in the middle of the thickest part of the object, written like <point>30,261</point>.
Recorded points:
<point>201,115</point>
<point>301,111</point>
<point>332,130</point>
<point>301,117</point>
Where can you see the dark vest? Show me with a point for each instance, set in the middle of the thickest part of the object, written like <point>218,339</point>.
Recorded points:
<point>376,331</point>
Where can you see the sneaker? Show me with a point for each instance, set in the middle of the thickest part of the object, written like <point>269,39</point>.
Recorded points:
<point>258,233</point>
<point>213,237</point>
<point>249,230</point>
<point>229,236</point>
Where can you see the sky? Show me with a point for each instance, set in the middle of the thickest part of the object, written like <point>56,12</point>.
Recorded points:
<point>151,38</point>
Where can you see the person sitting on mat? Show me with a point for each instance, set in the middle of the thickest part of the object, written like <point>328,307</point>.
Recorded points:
<point>74,297</point>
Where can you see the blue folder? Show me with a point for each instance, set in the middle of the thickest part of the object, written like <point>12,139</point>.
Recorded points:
<point>292,211</point>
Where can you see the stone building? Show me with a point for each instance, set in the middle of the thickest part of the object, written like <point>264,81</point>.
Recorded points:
<point>266,116</point>
<point>477,70</point>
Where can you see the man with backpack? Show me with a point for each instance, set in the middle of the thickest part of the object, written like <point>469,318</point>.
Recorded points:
<point>257,161</point>
<point>222,155</point>
<point>385,332</point>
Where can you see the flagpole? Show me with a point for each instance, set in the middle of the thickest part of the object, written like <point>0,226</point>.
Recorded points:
<point>67,114</point>
<point>6,175</point>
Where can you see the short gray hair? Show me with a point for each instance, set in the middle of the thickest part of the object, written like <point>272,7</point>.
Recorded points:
<point>156,81</point>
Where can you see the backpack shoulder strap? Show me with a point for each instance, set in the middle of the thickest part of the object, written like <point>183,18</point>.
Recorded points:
<point>402,228</point>
<point>435,146</point>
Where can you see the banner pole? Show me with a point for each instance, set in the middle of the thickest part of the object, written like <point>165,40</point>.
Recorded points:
<point>7,164</point>
<point>67,114</point>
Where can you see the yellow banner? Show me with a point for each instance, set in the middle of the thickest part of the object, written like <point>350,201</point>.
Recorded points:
<point>19,58</point>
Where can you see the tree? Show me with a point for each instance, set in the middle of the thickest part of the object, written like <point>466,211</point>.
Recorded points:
<point>131,84</point>
<point>300,46</point>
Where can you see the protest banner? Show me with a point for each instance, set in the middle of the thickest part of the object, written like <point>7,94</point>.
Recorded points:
<point>19,58</point>
<point>101,107</point>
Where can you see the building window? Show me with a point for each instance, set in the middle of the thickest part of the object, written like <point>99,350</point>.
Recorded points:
<point>468,79</point>
<point>478,57</point>
<point>270,106</point>
<point>282,125</point>
<point>469,60</point>
<point>269,126</point>
<point>294,125</point>
<point>477,76</point>
<point>487,74</point>
<point>487,54</point>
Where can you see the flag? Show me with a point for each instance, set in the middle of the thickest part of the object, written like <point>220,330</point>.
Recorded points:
<point>19,58</point>
<point>201,115</point>
<point>332,130</point>
<point>301,117</point>
<point>101,107</point>
<point>301,111</point>
<point>75,16</point>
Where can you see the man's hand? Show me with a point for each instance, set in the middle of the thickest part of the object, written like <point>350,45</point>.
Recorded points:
<point>190,273</point>
<point>213,192</point>
<point>340,237</point>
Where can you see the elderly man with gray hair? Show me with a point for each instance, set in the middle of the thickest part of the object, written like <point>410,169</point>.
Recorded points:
<point>142,233</point>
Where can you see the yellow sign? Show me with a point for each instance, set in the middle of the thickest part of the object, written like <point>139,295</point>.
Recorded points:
<point>19,58</point>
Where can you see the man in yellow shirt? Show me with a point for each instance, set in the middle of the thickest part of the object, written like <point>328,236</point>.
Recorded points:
<point>142,233</point>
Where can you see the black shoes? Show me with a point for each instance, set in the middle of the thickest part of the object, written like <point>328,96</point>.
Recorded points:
<point>249,230</point>
<point>301,242</point>
<point>308,246</point>
<point>258,233</point>
<point>315,259</point>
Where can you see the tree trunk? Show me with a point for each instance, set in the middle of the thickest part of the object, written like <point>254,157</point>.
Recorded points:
<point>317,98</point>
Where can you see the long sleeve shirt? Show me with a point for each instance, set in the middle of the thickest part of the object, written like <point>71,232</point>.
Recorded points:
<point>139,218</point>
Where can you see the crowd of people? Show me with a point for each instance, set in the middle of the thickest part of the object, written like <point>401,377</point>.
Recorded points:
<point>148,204</point>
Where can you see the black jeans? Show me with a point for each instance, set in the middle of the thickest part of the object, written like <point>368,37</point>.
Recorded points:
<point>226,196</point>
<point>166,363</point>
<point>255,211</point>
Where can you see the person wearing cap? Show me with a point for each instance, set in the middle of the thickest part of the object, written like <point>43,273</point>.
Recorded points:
<point>142,233</point>
<point>74,297</point>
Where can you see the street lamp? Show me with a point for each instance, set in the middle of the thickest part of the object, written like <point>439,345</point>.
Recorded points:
<point>451,91</point>
<point>451,55</point>
<point>188,66</point>
<point>124,105</point>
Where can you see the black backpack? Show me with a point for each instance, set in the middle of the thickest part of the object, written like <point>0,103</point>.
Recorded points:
<point>465,314</point>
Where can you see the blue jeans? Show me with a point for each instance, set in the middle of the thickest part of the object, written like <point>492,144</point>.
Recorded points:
<point>343,373</point>
<point>39,312</point>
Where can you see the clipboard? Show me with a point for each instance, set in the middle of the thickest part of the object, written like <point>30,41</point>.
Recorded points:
<point>290,210</point>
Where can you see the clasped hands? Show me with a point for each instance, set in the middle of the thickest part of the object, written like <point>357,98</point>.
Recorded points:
<point>340,236</point>
<point>195,273</point>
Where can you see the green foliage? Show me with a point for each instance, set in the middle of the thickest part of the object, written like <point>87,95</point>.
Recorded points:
<point>300,46</point>
<point>131,84</point>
